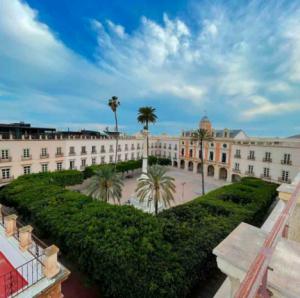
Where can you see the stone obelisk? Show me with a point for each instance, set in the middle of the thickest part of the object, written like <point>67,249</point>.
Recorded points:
<point>145,154</point>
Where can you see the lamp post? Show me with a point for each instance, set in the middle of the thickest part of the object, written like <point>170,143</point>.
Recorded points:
<point>182,195</point>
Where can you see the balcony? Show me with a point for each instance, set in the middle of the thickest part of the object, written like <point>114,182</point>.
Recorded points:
<point>82,168</point>
<point>6,180</point>
<point>265,159</point>
<point>43,156</point>
<point>6,159</point>
<point>237,156</point>
<point>286,162</point>
<point>238,171</point>
<point>94,152</point>
<point>249,157</point>
<point>262,176</point>
<point>284,180</point>
<point>59,154</point>
<point>251,174</point>
<point>111,150</point>
<point>28,157</point>
<point>102,151</point>
<point>83,153</point>
<point>72,153</point>
<point>73,168</point>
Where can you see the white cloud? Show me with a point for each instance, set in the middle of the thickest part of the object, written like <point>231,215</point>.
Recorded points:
<point>264,107</point>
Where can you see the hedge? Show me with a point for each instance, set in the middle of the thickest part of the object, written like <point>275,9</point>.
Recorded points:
<point>126,166</point>
<point>130,253</point>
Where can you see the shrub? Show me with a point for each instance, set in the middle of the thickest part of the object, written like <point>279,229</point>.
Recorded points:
<point>131,253</point>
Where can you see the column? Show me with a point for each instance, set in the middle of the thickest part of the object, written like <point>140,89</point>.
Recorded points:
<point>51,266</point>
<point>25,239</point>
<point>10,224</point>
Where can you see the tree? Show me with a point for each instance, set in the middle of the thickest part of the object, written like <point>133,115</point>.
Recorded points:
<point>105,185</point>
<point>201,135</point>
<point>156,186</point>
<point>146,115</point>
<point>114,104</point>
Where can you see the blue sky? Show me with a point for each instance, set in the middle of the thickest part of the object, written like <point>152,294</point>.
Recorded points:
<point>61,60</point>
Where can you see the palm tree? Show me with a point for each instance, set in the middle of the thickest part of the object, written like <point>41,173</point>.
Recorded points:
<point>146,115</point>
<point>114,104</point>
<point>202,135</point>
<point>105,185</point>
<point>156,186</point>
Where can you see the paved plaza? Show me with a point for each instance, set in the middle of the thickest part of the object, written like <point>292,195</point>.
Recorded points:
<point>188,185</point>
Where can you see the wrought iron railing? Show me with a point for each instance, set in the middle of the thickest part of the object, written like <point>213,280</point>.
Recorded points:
<point>28,274</point>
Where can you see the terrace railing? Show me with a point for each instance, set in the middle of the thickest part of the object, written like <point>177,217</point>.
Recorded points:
<point>255,281</point>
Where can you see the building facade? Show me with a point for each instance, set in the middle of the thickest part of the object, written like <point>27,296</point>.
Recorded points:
<point>228,155</point>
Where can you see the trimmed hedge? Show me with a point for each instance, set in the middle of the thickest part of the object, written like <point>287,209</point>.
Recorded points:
<point>131,253</point>
<point>126,166</point>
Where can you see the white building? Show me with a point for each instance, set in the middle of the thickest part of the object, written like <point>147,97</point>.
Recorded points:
<point>229,155</point>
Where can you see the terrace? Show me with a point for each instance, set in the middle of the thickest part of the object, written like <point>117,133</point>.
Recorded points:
<point>27,266</point>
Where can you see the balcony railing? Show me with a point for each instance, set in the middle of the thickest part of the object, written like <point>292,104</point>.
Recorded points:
<point>102,151</point>
<point>72,153</point>
<point>265,177</point>
<point>83,153</point>
<point>43,156</point>
<point>281,180</point>
<point>267,159</point>
<point>236,171</point>
<point>6,159</point>
<point>249,173</point>
<point>82,167</point>
<point>94,152</point>
<point>286,162</point>
<point>237,156</point>
<point>28,157</point>
<point>6,180</point>
<point>59,154</point>
<point>249,157</point>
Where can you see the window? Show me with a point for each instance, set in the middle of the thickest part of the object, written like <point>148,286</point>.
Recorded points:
<point>58,151</point>
<point>251,155</point>
<point>126,147</point>
<point>175,147</point>
<point>175,155</point>
<point>191,153</point>
<point>250,169</point>
<point>211,155</point>
<point>44,167</point>
<point>267,157</point>
<point>72,164</point>
<point>83,162</point>
<point>44,151</point>
<point>27,170</point>
<point>200,154</point>
<point>93,160</point>
<point>211,144</point>
<point>138,155</point>
<point>132,155</point>
<point>4,154</point>
<point>72,150</point>
<point>59,166</point>
<point>111,158</point>
<point>287,159</point>
<point>111,148</point>
<point>94,149</point>
<point>285,176</point>
<point>126,156</point>
<point>119,157</point>
<point>225,134</point>
<point>224,157</point>
<point>182,152</point>
<point>132,146</point>
<point>237,166</point>
<point>119,148</point>
<point>26,153</point>
<point>224,145</point>
<point>237,153</point>
<point>5,173</point>
<point>102,149</point>
<point>103,159</point>
<point>83,150</point>
<point>266,172</point>
<point>139,147</point>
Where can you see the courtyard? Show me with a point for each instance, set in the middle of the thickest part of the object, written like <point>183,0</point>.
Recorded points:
<point>188,185</point>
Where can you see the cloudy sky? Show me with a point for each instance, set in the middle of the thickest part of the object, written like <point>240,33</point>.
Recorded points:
<point>61,60</point>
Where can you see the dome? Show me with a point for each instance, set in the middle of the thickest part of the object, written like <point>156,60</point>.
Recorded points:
<point>205,124</point>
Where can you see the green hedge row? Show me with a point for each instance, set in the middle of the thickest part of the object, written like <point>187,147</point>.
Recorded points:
<point>126,166</point>
<point>130,253</point>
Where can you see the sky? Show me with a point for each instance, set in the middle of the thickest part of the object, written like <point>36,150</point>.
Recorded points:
<point>236,61</point>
